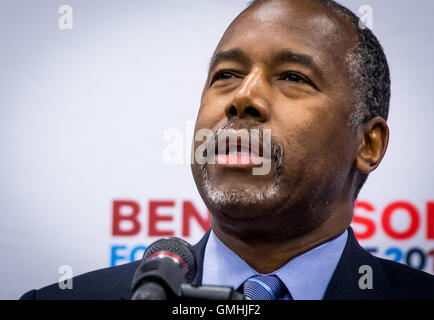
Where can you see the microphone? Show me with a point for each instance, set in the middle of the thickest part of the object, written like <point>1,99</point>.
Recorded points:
<point>166,265</point>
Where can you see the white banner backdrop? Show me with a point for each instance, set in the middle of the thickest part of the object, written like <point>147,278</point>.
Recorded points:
<point>91,93</point>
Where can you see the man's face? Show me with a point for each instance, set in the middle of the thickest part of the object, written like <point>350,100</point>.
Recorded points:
<point>281,66</point>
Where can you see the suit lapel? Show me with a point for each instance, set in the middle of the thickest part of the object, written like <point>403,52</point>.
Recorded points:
<point>199,252</point>
<point>345,280</point>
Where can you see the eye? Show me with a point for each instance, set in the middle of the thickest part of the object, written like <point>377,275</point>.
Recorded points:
<point>293,77</point>
<point>223,75</point>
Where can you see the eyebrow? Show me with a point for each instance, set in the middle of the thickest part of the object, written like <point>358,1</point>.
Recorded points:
<point>279,57</point>
<point>292,57</point>
<point>229,55</point>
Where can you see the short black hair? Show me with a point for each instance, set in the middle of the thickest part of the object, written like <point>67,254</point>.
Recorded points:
<point>369,71</point>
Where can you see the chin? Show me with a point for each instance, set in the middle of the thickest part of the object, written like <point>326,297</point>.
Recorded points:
<point>241,203</point>
<point>236,198</point>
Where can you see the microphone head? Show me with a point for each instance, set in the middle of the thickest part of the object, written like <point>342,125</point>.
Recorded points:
<point>177,249</point>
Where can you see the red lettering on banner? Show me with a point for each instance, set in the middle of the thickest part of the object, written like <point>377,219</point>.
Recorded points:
<point>126,222</point>
<point>118,217</point>
<point>188,213</point>
<point>414,220</point>
<point>368,223</point>
<point>154,218</point>
<point>430,220</point>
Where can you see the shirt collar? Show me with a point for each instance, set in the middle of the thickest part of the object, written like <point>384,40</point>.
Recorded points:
<point>306,276</point>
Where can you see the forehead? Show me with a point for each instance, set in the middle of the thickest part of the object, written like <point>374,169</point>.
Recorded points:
<point>302,26</point>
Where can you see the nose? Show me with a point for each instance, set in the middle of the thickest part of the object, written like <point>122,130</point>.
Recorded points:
<point>251,99</point>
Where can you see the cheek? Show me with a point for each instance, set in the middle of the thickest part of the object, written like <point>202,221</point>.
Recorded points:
<point>211,117</point>
<point>211,113</point>
<point>316,140</point>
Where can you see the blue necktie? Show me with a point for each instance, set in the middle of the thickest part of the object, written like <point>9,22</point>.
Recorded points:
<point>263,287</point>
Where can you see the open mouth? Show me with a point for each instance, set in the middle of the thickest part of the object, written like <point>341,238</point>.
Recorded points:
<point>236,151</point>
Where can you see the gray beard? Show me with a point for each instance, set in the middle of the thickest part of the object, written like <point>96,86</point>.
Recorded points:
<point>247,196</point>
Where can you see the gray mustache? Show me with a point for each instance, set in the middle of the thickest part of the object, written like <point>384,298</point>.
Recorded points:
<point>276,149</point>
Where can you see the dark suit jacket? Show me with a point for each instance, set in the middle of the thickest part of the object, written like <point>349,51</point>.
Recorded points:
<point>391,280</point>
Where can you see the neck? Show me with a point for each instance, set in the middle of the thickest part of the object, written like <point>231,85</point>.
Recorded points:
<point>268,257</point>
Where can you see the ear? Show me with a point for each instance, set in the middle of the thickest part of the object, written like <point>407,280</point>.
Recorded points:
<point>373,145</point>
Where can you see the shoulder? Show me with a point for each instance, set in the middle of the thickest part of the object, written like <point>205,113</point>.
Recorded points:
<point>408,282</point>
<point>108,284</point>
<point>388,280</point>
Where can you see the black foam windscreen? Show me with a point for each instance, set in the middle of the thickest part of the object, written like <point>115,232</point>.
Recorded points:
<point>178,247</point>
